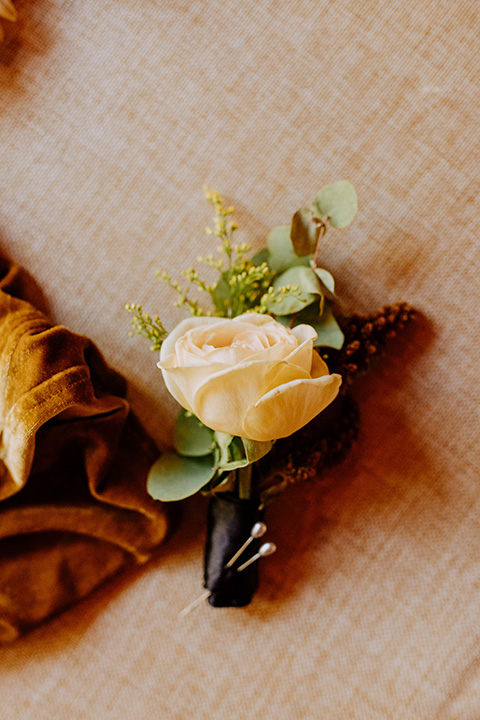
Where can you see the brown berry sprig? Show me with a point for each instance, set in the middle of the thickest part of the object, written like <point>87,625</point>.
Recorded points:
<point>326,440</point>
<point>322,443</point>
<point>365,339</point>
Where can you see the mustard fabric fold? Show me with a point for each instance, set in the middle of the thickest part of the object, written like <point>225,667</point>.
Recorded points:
<point>73,465</point>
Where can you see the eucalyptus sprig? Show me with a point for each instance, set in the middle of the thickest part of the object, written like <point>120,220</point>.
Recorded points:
<point>284,280</point>
<point>294,253</point>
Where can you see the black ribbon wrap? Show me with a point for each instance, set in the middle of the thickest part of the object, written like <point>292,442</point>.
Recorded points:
<point>229,522</point>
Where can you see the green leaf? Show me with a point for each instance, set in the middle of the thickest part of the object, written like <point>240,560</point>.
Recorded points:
<point>234,465</point>
<point>191,437</point>
<point>306,281</point>
<point>222,288</point>
<point>255,450</point>
<point>174,477</point>
<point>221,295</point>
<point>260,257</point>
<point>236,448</point>
<point>326,279</point>
<point>338,202</point>
<point>223,441</point>
<point>324,323</point>
<point>304,232</point>
<point>281,253</point>
<point>232,448</point>
<point>229,452</point>
<point>329,332</point>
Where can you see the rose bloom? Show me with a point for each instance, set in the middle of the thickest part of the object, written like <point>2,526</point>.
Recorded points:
<point>248,376</point>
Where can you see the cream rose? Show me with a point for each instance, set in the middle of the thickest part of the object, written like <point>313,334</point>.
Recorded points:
<point>248,376</point>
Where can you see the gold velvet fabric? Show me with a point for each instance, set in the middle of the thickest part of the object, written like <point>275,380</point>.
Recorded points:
<point>73,464</point>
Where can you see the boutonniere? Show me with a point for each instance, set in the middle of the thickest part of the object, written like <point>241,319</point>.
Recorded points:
<point>262,374</point>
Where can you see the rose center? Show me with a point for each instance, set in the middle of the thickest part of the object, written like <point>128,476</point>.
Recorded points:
<point>247,340</point>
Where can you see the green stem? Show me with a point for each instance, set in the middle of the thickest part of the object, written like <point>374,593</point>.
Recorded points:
<point>244,482</point>
<point>323,227</point>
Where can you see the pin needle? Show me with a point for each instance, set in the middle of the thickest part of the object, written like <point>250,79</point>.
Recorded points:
<point>205,594</point>
<point>257,531</point>
<point>264,551</point>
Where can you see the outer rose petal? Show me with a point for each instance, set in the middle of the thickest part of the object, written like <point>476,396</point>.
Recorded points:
<point>167,354</point>
<point>225,397</point>
<point>289,407</point>
<point>302,354</point>
<point>304,332</point>
<point>173,388</point>
<point>319,366</point>
<point>183,381</point>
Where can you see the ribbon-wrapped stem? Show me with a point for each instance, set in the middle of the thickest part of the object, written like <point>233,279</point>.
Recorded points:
<point>229,522</point>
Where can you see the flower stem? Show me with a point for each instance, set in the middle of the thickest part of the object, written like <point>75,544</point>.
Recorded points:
<point>323,227</point>
<point>244,482</point>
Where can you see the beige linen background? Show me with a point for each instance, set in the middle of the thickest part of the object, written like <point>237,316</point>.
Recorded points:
<point>113,115</point>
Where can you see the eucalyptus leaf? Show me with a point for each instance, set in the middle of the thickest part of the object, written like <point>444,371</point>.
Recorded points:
<point>222,288</point>
<point>328,329</point>
<point>174,477</point>
<point>303,277</point>
<point>284,320</point>
<point>260,257</point>
<point>338,202</point>
<point>304,232</point>
<point>281,253</point>
<point>191,437</point>
<point>221,294</point>
<point>326,279</point>
<point>324,323</point>
<point>309,288</point>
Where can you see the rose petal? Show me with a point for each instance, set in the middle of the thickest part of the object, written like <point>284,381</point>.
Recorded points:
<point>289,407</point>
<point>223,399</point>
<point>168,346</point>
<point>277,353</point>
<point>302,355</point>
<point>319,366</point>
<point>183,382</point>
<point>304,332</point>
<point>254,318</point>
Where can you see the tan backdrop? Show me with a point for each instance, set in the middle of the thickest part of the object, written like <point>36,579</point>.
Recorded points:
<point>113,115</point>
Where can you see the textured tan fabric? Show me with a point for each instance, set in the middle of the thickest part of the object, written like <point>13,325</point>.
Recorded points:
<point>113,114</point>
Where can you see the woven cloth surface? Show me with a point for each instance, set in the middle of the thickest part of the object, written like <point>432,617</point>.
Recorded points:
<point>113,116</point>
